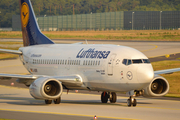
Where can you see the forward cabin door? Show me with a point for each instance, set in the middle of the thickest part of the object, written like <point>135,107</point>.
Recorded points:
<point>111,63</point>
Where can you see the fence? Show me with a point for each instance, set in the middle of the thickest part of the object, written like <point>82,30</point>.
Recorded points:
<point>137,20</point>
<point>151,20</point>
<point>97,21</point>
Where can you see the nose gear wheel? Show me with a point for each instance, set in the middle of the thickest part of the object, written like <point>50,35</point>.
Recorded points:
<point>131,102</point>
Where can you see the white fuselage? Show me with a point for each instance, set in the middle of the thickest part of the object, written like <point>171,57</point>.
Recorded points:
<point>100,66</point>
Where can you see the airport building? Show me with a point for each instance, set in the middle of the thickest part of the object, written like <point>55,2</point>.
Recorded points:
<point>127,20</point>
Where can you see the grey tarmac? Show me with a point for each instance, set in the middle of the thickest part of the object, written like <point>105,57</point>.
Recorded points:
<point>77,105</point>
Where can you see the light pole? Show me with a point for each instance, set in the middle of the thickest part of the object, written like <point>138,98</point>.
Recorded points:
<point>0,21</point>
<point>91,21</point>
<point>160,20</point>
<point>43,21</point>
<point>132,20</point>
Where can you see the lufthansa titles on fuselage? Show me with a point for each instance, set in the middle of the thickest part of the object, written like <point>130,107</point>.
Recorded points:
<point>36,55</point>
<point>92,53</point>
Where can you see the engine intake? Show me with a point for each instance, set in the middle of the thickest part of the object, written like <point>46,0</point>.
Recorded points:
<point>158,87</point>
<point>52,88</point>
<point>46,88</point>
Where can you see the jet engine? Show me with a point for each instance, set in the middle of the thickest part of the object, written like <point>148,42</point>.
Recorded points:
<point>158,87</point>
<point>46,88</point>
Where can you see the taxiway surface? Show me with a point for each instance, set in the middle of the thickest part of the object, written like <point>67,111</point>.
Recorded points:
<point>84,106</point>
<point>16,103</point>
<point>149,48</point>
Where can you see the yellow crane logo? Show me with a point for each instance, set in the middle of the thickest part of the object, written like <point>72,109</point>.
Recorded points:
<point>25,14</point>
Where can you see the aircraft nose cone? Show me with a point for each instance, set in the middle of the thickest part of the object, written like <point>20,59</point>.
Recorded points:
<point>145,73</point>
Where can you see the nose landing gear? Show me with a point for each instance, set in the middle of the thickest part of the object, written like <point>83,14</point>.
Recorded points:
<point>131,101</point>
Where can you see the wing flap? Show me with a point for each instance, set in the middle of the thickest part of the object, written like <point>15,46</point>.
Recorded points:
<point>69,82</point>
<point>25,79</point>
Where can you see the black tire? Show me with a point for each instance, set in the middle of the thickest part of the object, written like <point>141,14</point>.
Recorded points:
<point>129,103</point>
<point>104,97</point>
<point>48,101</point>
<point>57,101</point>
<point>113,97</point>
<point>134,103</point>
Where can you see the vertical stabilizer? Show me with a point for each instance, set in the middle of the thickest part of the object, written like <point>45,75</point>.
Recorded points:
<point>30,29</point>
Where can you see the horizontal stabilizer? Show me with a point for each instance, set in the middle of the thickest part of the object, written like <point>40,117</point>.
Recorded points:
<point>17,52</point>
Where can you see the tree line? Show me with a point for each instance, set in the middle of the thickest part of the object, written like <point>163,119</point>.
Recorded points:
<point>70,7</point>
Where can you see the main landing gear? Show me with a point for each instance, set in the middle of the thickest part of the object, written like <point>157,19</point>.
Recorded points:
<point>112,98</point>
<point>56,101</point>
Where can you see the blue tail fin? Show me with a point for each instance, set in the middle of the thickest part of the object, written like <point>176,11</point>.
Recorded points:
<point>30,29</point>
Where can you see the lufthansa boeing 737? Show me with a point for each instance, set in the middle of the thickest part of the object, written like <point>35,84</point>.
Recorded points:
<point>92,67</point>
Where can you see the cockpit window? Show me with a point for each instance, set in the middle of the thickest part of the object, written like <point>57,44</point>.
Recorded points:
<point>129,62</point>
<point>146,61</point>
<point>136,61</point>
<point>124,61</point>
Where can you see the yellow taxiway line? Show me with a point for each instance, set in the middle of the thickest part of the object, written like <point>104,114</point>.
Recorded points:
<point>150,49</point>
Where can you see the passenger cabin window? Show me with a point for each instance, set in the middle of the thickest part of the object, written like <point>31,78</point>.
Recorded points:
<point>60,62</point>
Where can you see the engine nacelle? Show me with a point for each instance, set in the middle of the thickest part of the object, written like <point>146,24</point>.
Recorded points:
<point>46,88</point>
<point>158,87</point>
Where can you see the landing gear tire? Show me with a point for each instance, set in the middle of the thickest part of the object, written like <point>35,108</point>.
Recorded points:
<point>57,101</point>
<point>131,102</point>
<point>134,103</point>
<point>48,101</point>
<point>104,97</point>
<point>113,97</point>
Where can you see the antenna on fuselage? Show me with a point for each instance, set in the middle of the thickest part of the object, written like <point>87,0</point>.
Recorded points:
<point>86,42</point>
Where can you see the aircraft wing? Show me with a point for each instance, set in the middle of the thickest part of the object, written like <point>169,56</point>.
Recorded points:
<point>78,43</point>
<point>17,52</point>
<point>70,82</point>
<point>167,71</point>
<point>2,76</point>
